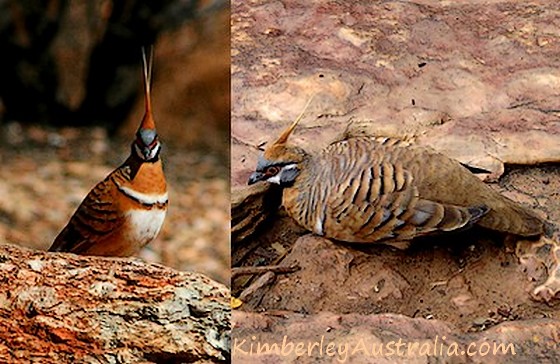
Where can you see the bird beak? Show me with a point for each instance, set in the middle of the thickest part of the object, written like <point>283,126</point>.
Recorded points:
<point>255,177</point>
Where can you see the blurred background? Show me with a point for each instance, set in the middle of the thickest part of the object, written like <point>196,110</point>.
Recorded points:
<point>70,102</point>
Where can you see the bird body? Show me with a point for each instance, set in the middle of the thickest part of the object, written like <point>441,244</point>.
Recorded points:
<point>372,189</point>
<point>126,210</point>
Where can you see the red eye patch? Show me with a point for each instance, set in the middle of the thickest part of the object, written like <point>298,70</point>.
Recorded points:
<point>272,171</point>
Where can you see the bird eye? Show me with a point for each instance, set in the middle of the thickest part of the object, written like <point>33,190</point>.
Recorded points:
<point>272,170</point>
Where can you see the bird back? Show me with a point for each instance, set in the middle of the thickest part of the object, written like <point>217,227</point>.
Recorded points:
<point>368,189</point>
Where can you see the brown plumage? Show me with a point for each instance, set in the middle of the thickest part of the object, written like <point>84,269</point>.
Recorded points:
<point>371,189</point>
<point>125,211</point>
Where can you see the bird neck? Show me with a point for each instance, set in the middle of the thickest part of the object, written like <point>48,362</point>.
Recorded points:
<point>142,176</point>
<point>135,164</point>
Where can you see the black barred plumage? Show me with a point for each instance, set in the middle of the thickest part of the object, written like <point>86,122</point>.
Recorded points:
<point>360,196</point>
<point>371,189</point>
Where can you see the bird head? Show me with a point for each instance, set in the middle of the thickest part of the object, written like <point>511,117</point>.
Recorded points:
<point>280,163</point>
<point>147,145</point>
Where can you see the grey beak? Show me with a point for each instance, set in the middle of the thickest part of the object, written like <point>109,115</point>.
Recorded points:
<point>255,177</point>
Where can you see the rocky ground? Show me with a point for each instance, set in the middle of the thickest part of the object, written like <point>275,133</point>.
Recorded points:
<point>476,81</point>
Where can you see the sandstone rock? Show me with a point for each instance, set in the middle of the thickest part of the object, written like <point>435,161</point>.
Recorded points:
<point>63,308</point>
<point>480,84</point>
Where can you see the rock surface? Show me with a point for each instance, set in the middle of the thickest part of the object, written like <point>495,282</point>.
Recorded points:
<point>63,308</point>
<point>386,338</point>
<point>479,82</point>
<point>251,207</point>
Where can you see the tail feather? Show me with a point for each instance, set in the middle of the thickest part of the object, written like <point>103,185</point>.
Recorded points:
<point>514,219</point>
<point>457,217</point>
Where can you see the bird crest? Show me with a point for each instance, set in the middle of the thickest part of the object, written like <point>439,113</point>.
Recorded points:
<point>147,145</point>
<point>283,138</point>
<point>147,65</point>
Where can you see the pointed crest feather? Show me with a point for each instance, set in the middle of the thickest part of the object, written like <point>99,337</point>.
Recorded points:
<point>147,65</point>
<point>283,138</point>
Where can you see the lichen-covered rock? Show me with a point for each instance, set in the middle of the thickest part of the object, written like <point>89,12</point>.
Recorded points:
<point>63,308</point>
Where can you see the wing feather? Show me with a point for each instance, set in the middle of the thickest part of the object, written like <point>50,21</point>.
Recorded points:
<point>95,220</point>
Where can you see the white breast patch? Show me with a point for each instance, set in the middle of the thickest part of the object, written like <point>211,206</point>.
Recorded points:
<point>145,224</point>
